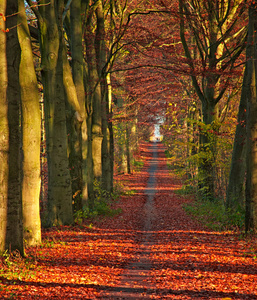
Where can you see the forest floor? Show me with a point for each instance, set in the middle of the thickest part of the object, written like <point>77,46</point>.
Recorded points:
<point>151,250</point>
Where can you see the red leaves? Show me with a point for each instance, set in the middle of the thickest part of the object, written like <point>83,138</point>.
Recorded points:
<point>94,262</point>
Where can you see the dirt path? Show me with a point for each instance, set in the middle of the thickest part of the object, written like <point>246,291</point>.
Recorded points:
<point>135,282</point>
<point>152,250</point>
<point>177,258</point>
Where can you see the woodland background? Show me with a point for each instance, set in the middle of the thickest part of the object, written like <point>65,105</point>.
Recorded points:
<point>83,82</point>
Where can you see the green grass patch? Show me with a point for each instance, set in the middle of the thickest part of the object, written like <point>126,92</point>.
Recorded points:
<point>103,204</point>
<point>186,190</point>
<point>213,215</point>
<point>138,165</point>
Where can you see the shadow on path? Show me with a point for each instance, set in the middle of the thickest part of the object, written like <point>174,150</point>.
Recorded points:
<point>135,282</point>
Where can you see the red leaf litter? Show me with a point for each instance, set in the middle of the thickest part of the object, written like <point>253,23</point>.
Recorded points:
<point>110,259</point>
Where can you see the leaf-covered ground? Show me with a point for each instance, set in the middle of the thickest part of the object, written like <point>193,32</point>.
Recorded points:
<point>109,260</point>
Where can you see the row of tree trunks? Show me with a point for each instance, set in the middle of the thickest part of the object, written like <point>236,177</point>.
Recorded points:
<point>209,85</point>
<point>85,92</point>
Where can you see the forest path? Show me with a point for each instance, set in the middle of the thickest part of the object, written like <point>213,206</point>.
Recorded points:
<point>135,282</point>
<point>177,258</point>
<point>151,250</point>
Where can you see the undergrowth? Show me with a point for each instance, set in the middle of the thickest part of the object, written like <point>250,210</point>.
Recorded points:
<point>210,212</point>
<point>102,204</point>
<point>213,215</point>
<point>13,267</point>
<point>138,165</point>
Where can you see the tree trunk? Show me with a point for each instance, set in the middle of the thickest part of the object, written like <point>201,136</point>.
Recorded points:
<point>95,65</point>
<point>14,233</point>
<point>121,141</point>
<point>75,119</point>
<point>107,161</point>
<point>31,135</point>
<point>59,183</point>
<point>235,190</point>
<point>79,146</point>
<point>206,170</point>
<point>128,148</point>
<point>251,126</point>
<point>94,110</point>
<point>4,132</point>
<point>90,172</point>
<point>106,92</point>
<point>211,85</point>
<point>192,141</point>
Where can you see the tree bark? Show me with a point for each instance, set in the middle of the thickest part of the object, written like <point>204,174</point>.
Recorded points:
<point>31,135</point>
<point>78,147</point>
<point>235,190</point>
<point>107,161</point>
<point>94,159</point>
<point>4,132</point>
<point>14,233</point>
<point>251,126</point>
<point>59,183</point>
<point>216,31</point>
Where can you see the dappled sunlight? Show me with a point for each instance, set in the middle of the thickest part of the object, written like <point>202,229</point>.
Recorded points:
<point>151,250</point>
<point>183,262</point>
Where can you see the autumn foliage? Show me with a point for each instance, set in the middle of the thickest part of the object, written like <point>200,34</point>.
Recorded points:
<point>111,257</point>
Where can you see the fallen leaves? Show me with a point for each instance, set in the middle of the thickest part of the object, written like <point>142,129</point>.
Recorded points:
<point>87,262</point>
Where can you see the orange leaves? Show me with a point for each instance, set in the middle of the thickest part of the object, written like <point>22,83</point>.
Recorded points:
<point>4,19</point>
<point>186,260</point>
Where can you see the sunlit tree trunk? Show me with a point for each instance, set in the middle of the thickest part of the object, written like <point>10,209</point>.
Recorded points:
<point>121,141</point>
<point>128,148</point>
<point>101,54</point>
<point>192,142</point>
<point>134,134</point>
<point>14,232</point>
<point>107,159</point>
<point>96,61</point>
<point>31,134</point>
<point>78,133</point>
<point>251,125</point>
<point>94,157</point>
<point>4,132</point>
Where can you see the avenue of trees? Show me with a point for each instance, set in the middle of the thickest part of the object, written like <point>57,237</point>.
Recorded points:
<point>82,81</point>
